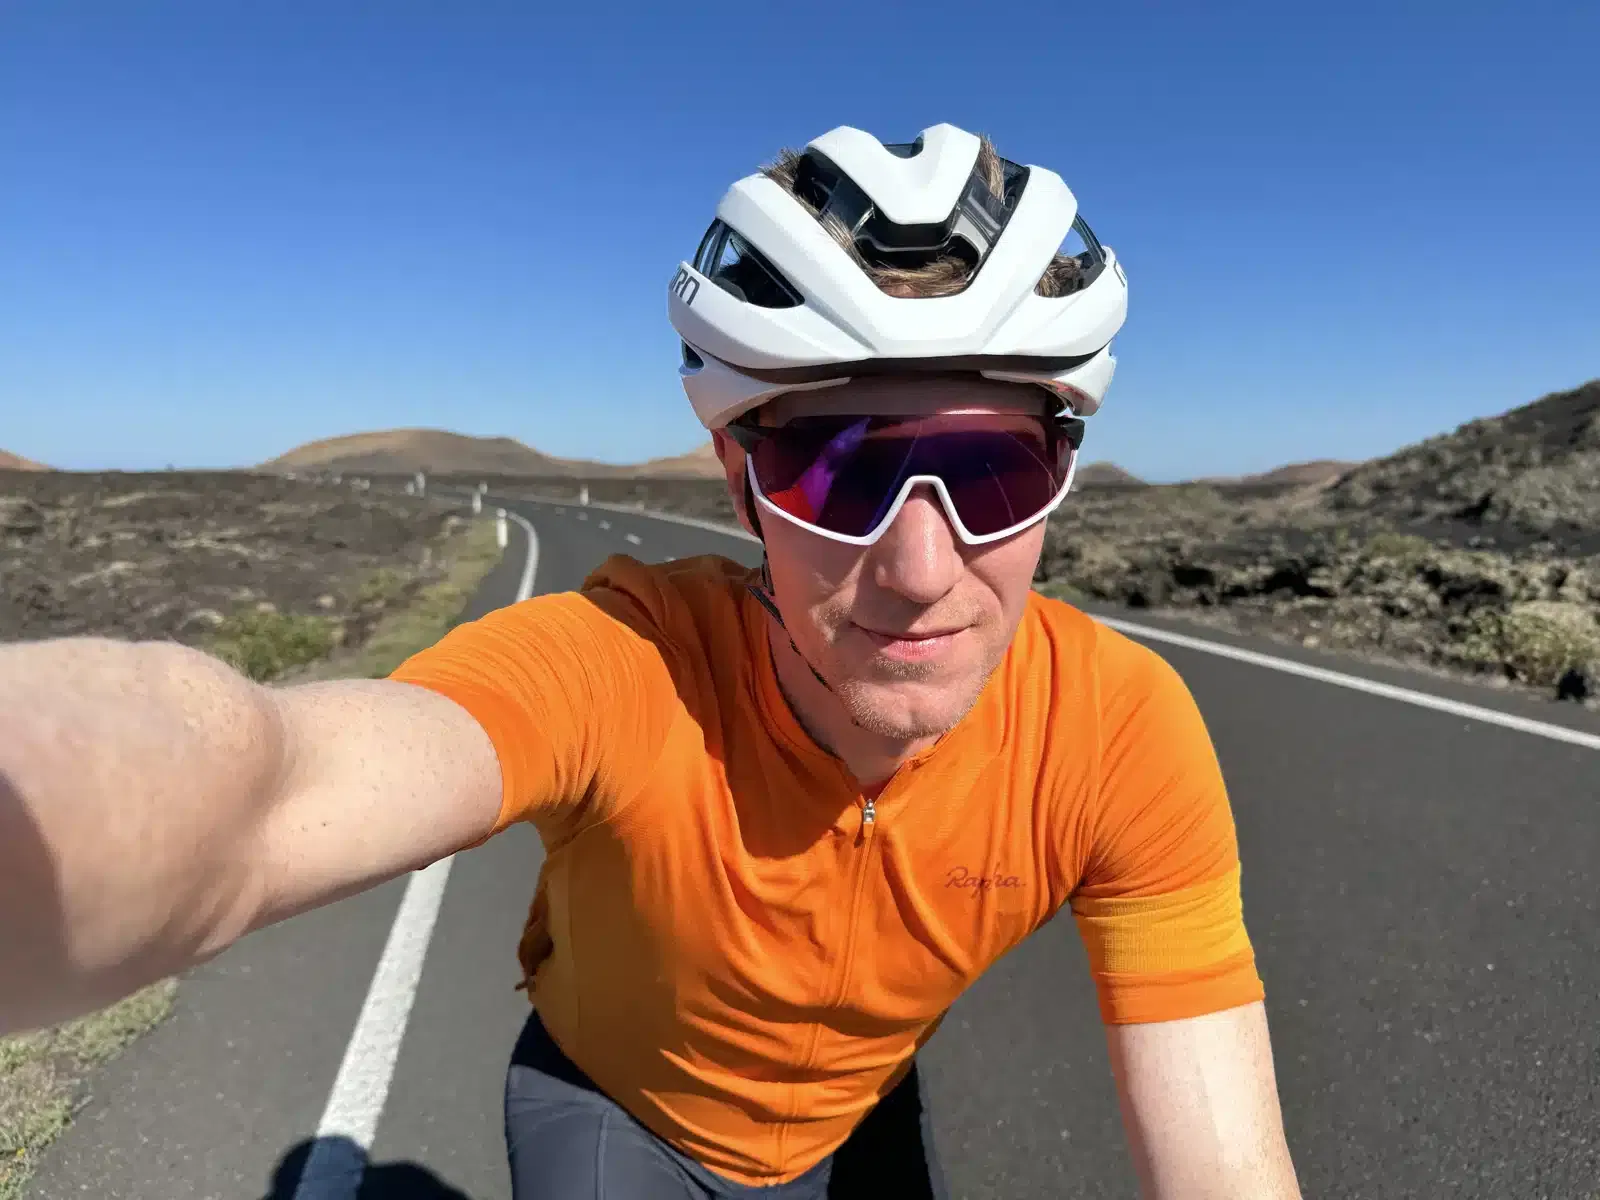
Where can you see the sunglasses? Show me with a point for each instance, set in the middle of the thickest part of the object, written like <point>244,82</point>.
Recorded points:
<point>846,477</point>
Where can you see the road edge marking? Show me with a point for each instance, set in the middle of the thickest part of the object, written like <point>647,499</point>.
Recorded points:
<point>530,566</point>
<point>736,531</point>
<point>337,1163</point>
<point>1390,691</point>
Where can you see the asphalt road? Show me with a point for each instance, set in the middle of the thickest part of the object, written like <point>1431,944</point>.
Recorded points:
<point>1423,891</point>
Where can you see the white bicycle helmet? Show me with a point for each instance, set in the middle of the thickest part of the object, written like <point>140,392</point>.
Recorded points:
<point>772,303</point>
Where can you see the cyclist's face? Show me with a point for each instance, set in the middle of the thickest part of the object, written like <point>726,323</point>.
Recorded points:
<point>842,604</point>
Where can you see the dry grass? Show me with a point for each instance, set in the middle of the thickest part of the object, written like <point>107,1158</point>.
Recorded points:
<point>41,1076</point>
<point>427,616</point>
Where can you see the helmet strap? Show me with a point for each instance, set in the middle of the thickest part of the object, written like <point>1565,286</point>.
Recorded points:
<point>763,594</point>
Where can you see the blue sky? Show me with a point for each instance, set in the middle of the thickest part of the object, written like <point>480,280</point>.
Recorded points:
<point>227,228</point>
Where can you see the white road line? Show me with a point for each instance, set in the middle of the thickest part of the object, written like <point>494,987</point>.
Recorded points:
<point>337,1161</point>
<point>726,530</point>
<point>530,566</point>
<point>605,524</point>
<point>583,516</point>
<point>1372,687</point>
<point>632,537</point>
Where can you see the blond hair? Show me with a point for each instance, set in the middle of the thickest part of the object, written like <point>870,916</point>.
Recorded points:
<point>943,276</point>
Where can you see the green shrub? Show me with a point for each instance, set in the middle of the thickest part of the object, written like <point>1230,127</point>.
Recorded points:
<point>1405,548</point>
<point>382,587</point>
<point>265,644</point>
<point>1536,642</point>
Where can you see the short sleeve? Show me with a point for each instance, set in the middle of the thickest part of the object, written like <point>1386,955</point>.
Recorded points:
<point>1160,906</point>
<point>576,701</point>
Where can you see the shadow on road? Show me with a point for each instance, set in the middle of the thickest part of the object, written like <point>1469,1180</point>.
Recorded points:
<point>333,1159</point>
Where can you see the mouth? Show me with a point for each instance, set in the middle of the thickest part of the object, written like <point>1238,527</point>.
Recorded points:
<point>909,635</point>
<point>912,644</point>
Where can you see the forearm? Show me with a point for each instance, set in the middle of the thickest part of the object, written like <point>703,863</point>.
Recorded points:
<point>1200,1105</point>
<point>131,775</point>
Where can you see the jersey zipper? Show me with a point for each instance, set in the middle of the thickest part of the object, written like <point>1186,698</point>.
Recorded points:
<point>869,814</point>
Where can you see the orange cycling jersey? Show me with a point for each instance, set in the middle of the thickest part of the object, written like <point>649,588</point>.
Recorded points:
<point>744,950</point>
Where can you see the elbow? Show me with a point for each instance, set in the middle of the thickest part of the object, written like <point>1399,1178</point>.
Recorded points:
<point>127,810</point>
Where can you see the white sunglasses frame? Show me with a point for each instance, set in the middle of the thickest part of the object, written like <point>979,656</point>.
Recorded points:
<point>868,539</point>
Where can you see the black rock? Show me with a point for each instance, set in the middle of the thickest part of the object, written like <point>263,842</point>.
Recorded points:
<point>1577,684</point>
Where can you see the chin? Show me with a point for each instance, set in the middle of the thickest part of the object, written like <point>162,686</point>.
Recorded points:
<point>905,710</point>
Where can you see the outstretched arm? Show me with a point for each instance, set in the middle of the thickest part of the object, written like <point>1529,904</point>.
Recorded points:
<point>156,805</point>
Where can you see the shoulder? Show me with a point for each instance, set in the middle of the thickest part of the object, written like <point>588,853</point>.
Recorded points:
<point>1087,669</point>
<point>665,591</point>
<point>1119,741</point>
<point>581,692</point>
<point>626,611</point>
<point>1144,718</point>
<point>693,603</point>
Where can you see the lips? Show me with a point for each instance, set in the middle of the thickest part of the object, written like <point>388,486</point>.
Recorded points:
<point>914,646</point>
<point>912,635</point>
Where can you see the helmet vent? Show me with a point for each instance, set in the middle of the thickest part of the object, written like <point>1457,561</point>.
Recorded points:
<point>742,271</point>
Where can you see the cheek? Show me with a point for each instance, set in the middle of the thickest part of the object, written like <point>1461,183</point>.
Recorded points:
<point>815,578</point>
<point>1007,569</point>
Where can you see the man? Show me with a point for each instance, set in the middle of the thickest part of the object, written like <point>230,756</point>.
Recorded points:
<point>789,816</point>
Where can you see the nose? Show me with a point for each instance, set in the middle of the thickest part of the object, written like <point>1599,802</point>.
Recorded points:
<point>919,555</point>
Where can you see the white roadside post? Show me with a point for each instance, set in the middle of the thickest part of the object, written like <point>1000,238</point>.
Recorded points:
<point>500,527</point>
<point>422,485</point>
<point>583,493</point>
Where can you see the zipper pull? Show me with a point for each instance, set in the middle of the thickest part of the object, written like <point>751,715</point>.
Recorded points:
<point>869,811</point>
